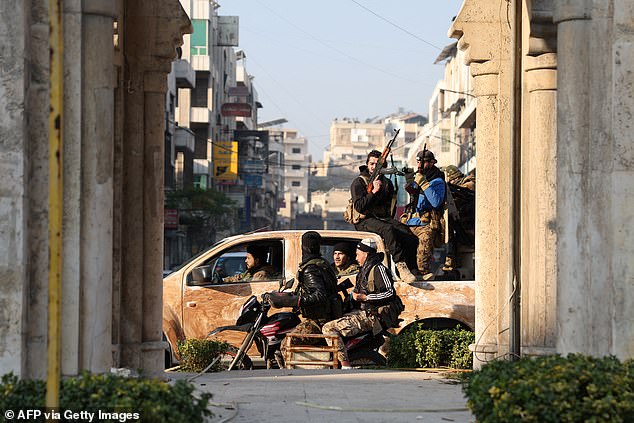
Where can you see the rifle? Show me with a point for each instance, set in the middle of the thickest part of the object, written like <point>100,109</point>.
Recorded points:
<point>382,161</point>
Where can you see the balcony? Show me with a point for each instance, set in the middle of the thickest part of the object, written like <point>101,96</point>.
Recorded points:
<point>184,138</point>
<point>201,167</point>
<point>201,9</point>
<point>200,115</point>
<point>184,73</point>
<point>201,63</point>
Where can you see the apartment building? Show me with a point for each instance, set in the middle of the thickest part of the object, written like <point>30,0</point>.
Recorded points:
<point>451,130</point>
<point>295,196</point>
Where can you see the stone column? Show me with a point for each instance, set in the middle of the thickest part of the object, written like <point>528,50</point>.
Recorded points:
<point>595,177</point>
<point>485,39</point>
<point>539,175</point>
<point>97,184</point>
<point>491,246</point>
<point>152,35</point>
<point>14,203</point>
<point>71,275</point>
<point>574,256</point>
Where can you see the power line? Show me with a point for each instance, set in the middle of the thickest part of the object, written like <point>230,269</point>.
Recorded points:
<point>335,49</point>
<point>395,25</point>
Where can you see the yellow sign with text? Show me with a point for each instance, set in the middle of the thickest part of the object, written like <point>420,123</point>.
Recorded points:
<point>226,160</point>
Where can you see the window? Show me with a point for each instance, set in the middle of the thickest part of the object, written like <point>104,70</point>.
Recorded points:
<point>198,38</point>
<point>200,181</point>
<point>444,134</point>
<point>230,266</point>
<point>296,167</point>
<point>297,150</point>
<point>296,183</point>
<point>199,94</point>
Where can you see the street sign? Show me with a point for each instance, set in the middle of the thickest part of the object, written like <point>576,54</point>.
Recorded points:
<point>236,109</point>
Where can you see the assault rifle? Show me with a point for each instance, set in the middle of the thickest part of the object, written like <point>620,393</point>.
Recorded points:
<point>382,161</point>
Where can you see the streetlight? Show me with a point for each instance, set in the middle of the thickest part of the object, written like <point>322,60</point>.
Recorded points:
<point>442,90</point>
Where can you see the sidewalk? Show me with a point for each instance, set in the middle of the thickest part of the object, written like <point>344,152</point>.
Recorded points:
<point>333,396</point>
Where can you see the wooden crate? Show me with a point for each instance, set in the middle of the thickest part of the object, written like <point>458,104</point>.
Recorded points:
<point>311,356</point>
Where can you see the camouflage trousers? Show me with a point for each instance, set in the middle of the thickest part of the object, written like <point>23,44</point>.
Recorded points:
<point>353,323</point>
<point>425,250</point>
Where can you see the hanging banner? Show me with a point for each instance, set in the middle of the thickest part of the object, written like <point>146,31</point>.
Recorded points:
<point>226,161</point>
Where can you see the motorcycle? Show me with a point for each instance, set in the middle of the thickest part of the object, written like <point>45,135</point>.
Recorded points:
<point>268,333</point>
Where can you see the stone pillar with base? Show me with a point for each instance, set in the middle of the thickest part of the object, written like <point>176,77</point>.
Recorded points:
<point>486,43</point>
<point>539,176</point>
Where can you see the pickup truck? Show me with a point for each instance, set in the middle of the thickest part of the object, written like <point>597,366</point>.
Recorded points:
<point>196,300</point>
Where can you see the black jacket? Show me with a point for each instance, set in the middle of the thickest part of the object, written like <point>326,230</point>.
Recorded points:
<point>317,289</point>
<point>374,205</point>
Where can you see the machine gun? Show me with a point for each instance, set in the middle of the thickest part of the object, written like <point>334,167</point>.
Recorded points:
<point>382,161</point>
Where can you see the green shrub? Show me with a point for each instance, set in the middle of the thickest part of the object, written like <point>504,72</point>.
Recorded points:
<point>418,347</point>
<point>153,399</point>
<point>576,388</point>
<point>197,354</point>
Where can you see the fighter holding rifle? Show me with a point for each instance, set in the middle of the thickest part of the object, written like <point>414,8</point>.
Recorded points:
<point>373,196</point>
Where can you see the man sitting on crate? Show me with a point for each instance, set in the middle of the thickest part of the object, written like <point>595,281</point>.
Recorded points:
<point>316,296</point>
<point>378,306</point>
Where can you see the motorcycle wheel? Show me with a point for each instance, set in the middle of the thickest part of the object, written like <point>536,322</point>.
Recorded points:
<point>244,363</point>
<point>369,358</point>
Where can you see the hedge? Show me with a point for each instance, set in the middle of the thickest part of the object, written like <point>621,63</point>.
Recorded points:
<point>575,388</point>
<point>153,399</point>
<point>197,354</point>
<point>419,347</point>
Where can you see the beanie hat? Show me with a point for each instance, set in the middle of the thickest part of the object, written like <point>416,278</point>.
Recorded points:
<point>311,241</point>
<point>257,251</point>
<point>426,156</point>
<point>367,245</point>
<point>344,247</point>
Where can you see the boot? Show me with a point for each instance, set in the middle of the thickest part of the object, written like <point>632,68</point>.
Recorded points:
<point>450,263</point>
<point>404,273</point>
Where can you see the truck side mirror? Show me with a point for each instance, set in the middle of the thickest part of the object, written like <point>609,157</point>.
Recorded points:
<point>201,275</point>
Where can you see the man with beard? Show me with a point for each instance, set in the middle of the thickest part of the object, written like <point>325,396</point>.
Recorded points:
<point>425,220</point>
<point>377,208</point>
<point>377,305</point>
<point>257,267</point>
<point>343,263</point>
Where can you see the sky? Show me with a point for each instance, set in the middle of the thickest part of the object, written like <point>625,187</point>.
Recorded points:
<point>313,61</point>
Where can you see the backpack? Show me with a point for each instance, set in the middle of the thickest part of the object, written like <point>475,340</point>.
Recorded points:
<point>351,215</point>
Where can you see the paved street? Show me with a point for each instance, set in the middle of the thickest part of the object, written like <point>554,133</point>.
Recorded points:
<point>329,396</point>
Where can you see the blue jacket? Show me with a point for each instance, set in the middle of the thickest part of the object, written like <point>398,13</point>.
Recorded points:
<point>432,198</point>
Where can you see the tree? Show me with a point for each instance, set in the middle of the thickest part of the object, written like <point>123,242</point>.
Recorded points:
<point>205,212</point>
